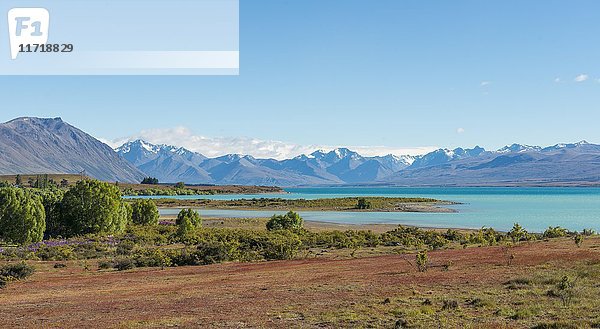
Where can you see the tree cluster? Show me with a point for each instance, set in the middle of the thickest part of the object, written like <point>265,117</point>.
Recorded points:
<point>89,207</point>
<point>150,181</point>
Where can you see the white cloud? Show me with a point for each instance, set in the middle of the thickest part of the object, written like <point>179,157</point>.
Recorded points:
<point>557,80</point>
<point>460,130</point>
<point>217,146</point>
<point>581,78</point>
<point>485,83</point>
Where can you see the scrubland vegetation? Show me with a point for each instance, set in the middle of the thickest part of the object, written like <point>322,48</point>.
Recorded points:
<point>91,228</point>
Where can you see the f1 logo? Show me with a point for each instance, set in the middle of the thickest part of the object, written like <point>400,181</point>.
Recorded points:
<point>27,26</point>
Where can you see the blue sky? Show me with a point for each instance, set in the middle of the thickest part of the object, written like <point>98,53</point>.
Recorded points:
<point>399,74</point>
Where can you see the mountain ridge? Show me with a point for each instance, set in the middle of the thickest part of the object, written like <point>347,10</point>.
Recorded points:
<point>49,145</point>
<point>31,145</point>
<point>459,166</point>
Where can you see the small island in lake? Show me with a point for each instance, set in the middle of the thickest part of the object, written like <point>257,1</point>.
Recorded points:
<point>364,204</point>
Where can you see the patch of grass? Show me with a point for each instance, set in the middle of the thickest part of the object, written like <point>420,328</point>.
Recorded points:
<point>555,325</point>
<point>449,304</point>
<point>480,303</point>
<point>523,313</point>
<point>518,283</point>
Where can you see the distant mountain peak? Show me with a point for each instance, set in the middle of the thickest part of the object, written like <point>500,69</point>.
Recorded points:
<point>518,148</point>
<point>34,119</point>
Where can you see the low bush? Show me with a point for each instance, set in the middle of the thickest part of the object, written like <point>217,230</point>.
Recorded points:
<point>289,221</point>
<point>212,253</point>
<point>123,264</point>
<point>13,272</point>
<point>449,304</point>
<point>151,258</point>
<point>555,232</point>
<point>105,265</point>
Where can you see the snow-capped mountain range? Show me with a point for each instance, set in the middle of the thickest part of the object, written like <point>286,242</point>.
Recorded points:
<point>577,162</point>
<point>38,145</point>
<point>340,166</point>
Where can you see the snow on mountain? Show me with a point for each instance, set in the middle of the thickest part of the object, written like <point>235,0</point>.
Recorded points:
<point>343,166</point>
<point>518,148</point>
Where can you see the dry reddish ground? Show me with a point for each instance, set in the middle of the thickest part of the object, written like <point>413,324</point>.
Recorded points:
<point>268,294</point>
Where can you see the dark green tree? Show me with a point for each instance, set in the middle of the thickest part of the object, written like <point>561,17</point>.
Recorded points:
<point>18,181</point>
<point>180,185</point>
<point>144,212</point>
<point>187,222</point>
<point>189,215</point>
<point>150,181</point>
<point>555,232</point>
<point>52,199</point>
<point>289,221</point>
<point>22,216</point>
<point>92,206</point>
<point>518,233</point>
<point>363,204</point>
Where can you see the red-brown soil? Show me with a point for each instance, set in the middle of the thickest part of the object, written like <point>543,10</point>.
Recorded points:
<point>269,294</point>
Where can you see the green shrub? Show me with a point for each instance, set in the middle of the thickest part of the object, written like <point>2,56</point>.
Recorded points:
<point>22,216</point>
<point>422,261</point>
<point>190,215</point>
<point>149,235</point>
<point>555,232</point>
<point>17,271</point>
<point>578,240</point>
<point>518,233</point>
<point>93,207</point>
<point>187,222</point>
<point>413,237</point>
<point>55,253</point>
<point>282,246</point>
<point>123,264</point>
<point>212,253</point>
<point>453,235</point>
<point>289,221</point>
<point>125,247</point>
<point>565,290</point>
<point>51,199</point>
<point>362,203</point>
<point>105,265</point>
<point>144,212</point>
<point>152,258</point>
<point>91,250</point>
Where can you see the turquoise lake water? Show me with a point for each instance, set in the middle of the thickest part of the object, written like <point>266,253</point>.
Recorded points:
<point>533,208</point>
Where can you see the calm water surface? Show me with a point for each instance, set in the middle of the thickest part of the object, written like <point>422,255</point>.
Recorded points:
<point>534,208</point>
